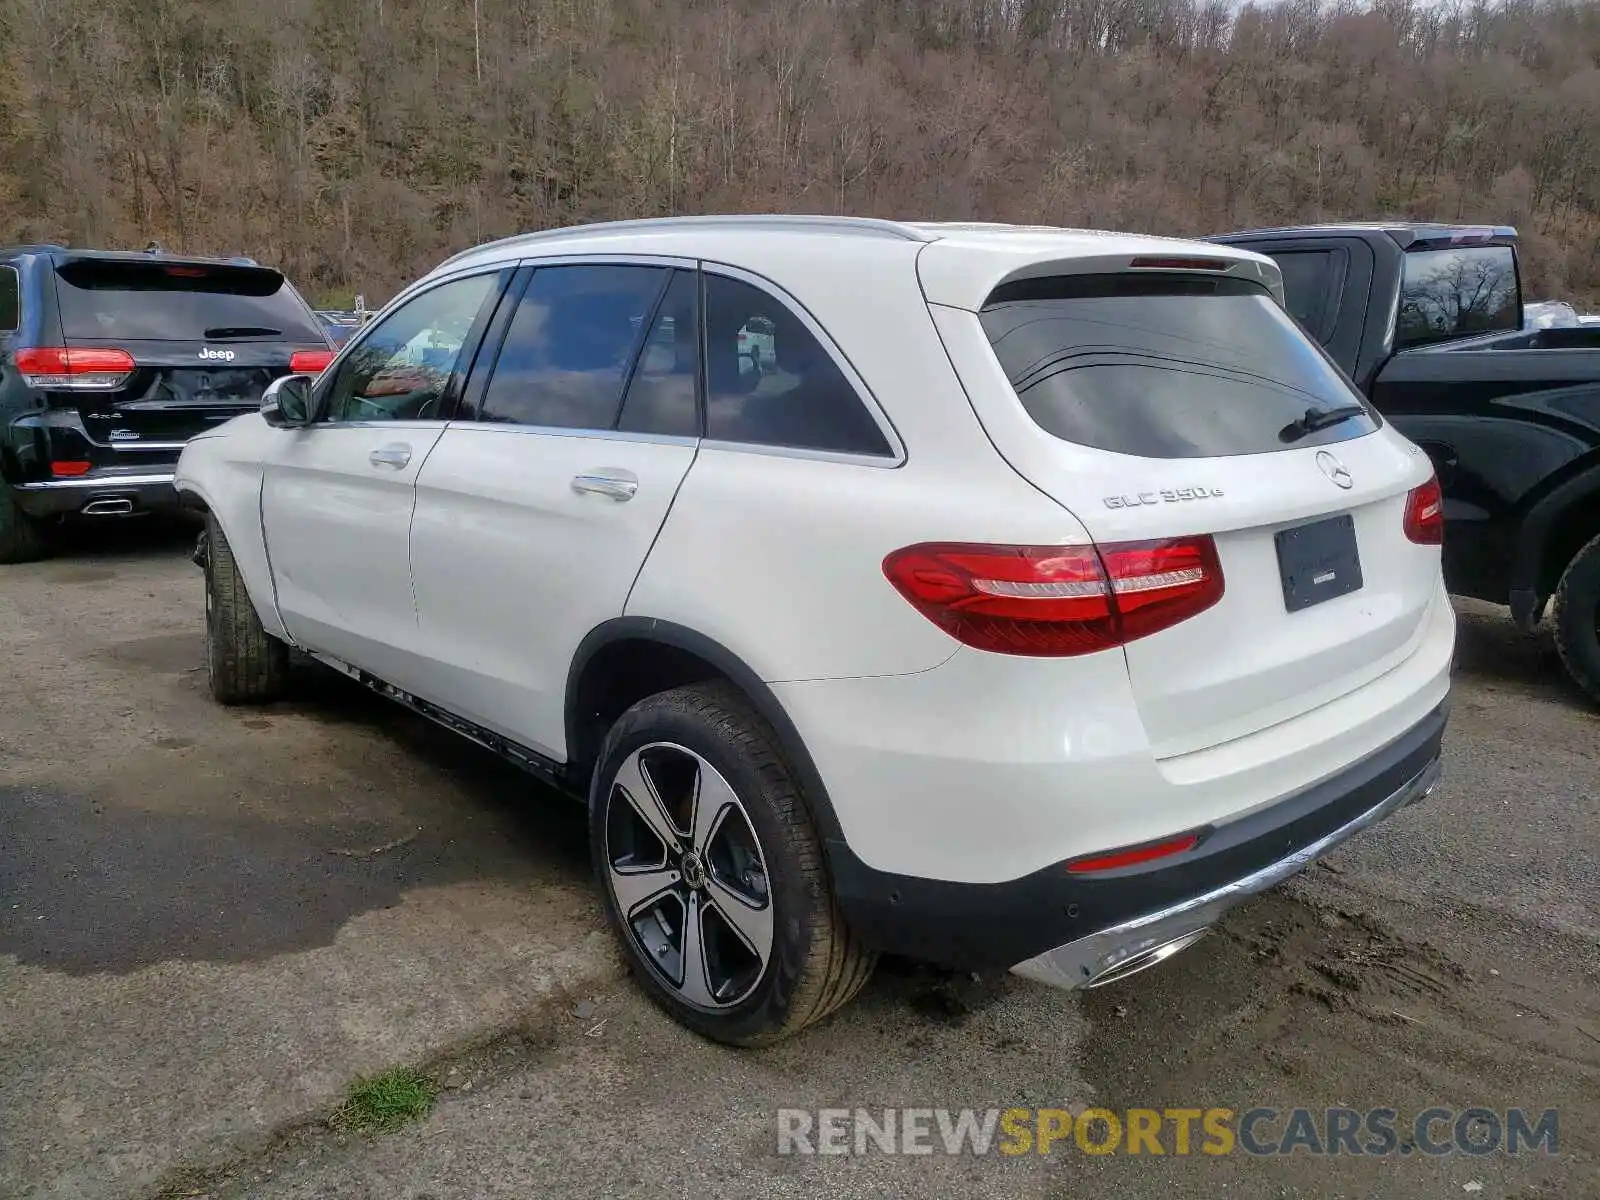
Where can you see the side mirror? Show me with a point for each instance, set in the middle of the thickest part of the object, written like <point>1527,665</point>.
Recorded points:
<point>286,404</point>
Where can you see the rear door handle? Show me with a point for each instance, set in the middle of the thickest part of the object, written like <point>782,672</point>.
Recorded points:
<point>619,485</point>
<point>396,455</point>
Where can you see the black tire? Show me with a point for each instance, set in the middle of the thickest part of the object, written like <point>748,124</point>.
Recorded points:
<point>816,964</point>
<point>244,663</point>
<point>22,538</point>
<point>1577,619</point>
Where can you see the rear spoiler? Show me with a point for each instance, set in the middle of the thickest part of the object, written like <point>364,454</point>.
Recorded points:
<point>140,272</point>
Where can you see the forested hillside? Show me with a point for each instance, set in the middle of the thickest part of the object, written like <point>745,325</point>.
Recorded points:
<point>355,142</point>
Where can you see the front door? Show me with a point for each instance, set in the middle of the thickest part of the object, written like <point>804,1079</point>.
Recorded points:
<point>338,494</point>
<point>534,519</point>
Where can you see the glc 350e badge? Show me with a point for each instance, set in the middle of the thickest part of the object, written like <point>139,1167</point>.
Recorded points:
<point>1162,496</point>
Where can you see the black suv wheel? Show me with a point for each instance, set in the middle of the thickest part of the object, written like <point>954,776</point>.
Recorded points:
<point>22,538</point>
<point>1577,619</point>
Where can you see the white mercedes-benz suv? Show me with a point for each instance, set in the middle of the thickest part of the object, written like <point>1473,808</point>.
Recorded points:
<point>1045,594</point>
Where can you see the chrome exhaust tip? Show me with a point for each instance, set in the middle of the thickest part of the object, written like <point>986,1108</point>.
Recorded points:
<point>1145,959</point>
<point>119,506</point>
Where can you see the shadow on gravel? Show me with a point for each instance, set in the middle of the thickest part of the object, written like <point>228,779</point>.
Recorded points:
<point>151,536</point>
<point>1494,652</point>
<point>90,883</point>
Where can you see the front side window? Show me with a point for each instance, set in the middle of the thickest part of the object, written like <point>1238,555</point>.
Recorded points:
<point>402,369</point>
<point>1462,292</point>
<point>1167,366</point>
<point>769,382</point>
<point>568,348</point>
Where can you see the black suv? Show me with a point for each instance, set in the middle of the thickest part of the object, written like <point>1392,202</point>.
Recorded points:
<point>110,362</point>
<point>1428,321</point>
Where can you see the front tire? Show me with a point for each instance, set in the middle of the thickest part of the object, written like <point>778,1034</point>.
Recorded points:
<point>244,663</point>
<point>1577,619</point>
<point>712,871</point>
<point>22,538</point>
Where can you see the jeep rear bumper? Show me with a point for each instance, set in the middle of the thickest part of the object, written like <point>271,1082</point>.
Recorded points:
<point>102,493</point>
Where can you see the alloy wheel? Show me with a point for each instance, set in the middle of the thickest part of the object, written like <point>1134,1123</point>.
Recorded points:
<point>688,875</point>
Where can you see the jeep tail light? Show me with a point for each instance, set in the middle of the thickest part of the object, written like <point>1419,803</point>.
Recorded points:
<point>1056,601</point>
<point>1425,514</point>
<point>310,362</point>
<point>74,368</point>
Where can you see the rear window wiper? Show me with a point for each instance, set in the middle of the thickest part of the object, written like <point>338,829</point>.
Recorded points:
<point>1314,419</point>
<point>238,331</point>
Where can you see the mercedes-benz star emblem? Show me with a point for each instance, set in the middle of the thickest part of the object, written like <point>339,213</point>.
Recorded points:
<point>1335,470</point>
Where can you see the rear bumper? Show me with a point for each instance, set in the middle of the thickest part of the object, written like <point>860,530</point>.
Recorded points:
<point>1144,941</point>
<point>102,493</point>
<point>1075,930</point>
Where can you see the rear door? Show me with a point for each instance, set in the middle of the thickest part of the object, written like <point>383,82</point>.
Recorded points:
<point>533,519</point>
<point>1165,405</point>
<point>205,339</point>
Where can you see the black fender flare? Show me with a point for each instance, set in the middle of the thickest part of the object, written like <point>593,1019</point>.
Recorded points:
<point>1533,543</point>
<point>730,665</point>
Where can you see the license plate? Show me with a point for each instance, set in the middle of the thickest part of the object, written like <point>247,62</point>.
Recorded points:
<point>1318,562</point>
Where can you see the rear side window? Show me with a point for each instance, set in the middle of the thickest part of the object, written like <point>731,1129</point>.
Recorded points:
<point>108,299</point>
<point>1462,292</point>
<point>661,396</point>
<point>1309,288</point>
<point>1166,366</point>
<point>10,299</point>
<point>569,346</point>
<point>769,382</point>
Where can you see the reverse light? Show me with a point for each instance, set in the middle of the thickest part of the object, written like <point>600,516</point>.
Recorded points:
<point>1425,514</point>
<point>74,368</point>
<point>1133,856</point>
<point>310,362</point>
<point>1057,601</point>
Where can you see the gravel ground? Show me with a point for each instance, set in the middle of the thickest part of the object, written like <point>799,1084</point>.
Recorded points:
<point>212,920</point>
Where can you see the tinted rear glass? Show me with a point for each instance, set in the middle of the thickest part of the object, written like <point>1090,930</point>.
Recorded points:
<point>185,302</point>
<point>1462,292</point>
<point>1308,286</point>
<point>1165,366</point>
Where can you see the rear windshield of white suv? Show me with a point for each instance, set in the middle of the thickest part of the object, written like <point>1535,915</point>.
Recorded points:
<point>1168,366</point>
<point>180,302</point>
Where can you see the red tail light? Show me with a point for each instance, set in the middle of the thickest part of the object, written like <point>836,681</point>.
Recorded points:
<point>1055,601</point>
<point>310,362</point>
<point>1425,514</point>
<point>70,469</point>
<point>1134,856</point>
<point>74,368</point>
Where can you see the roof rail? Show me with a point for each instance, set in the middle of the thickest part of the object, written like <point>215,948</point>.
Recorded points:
<point>773,222</point>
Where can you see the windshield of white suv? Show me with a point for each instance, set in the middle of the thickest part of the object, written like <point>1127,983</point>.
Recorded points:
<point>1168,366</point>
